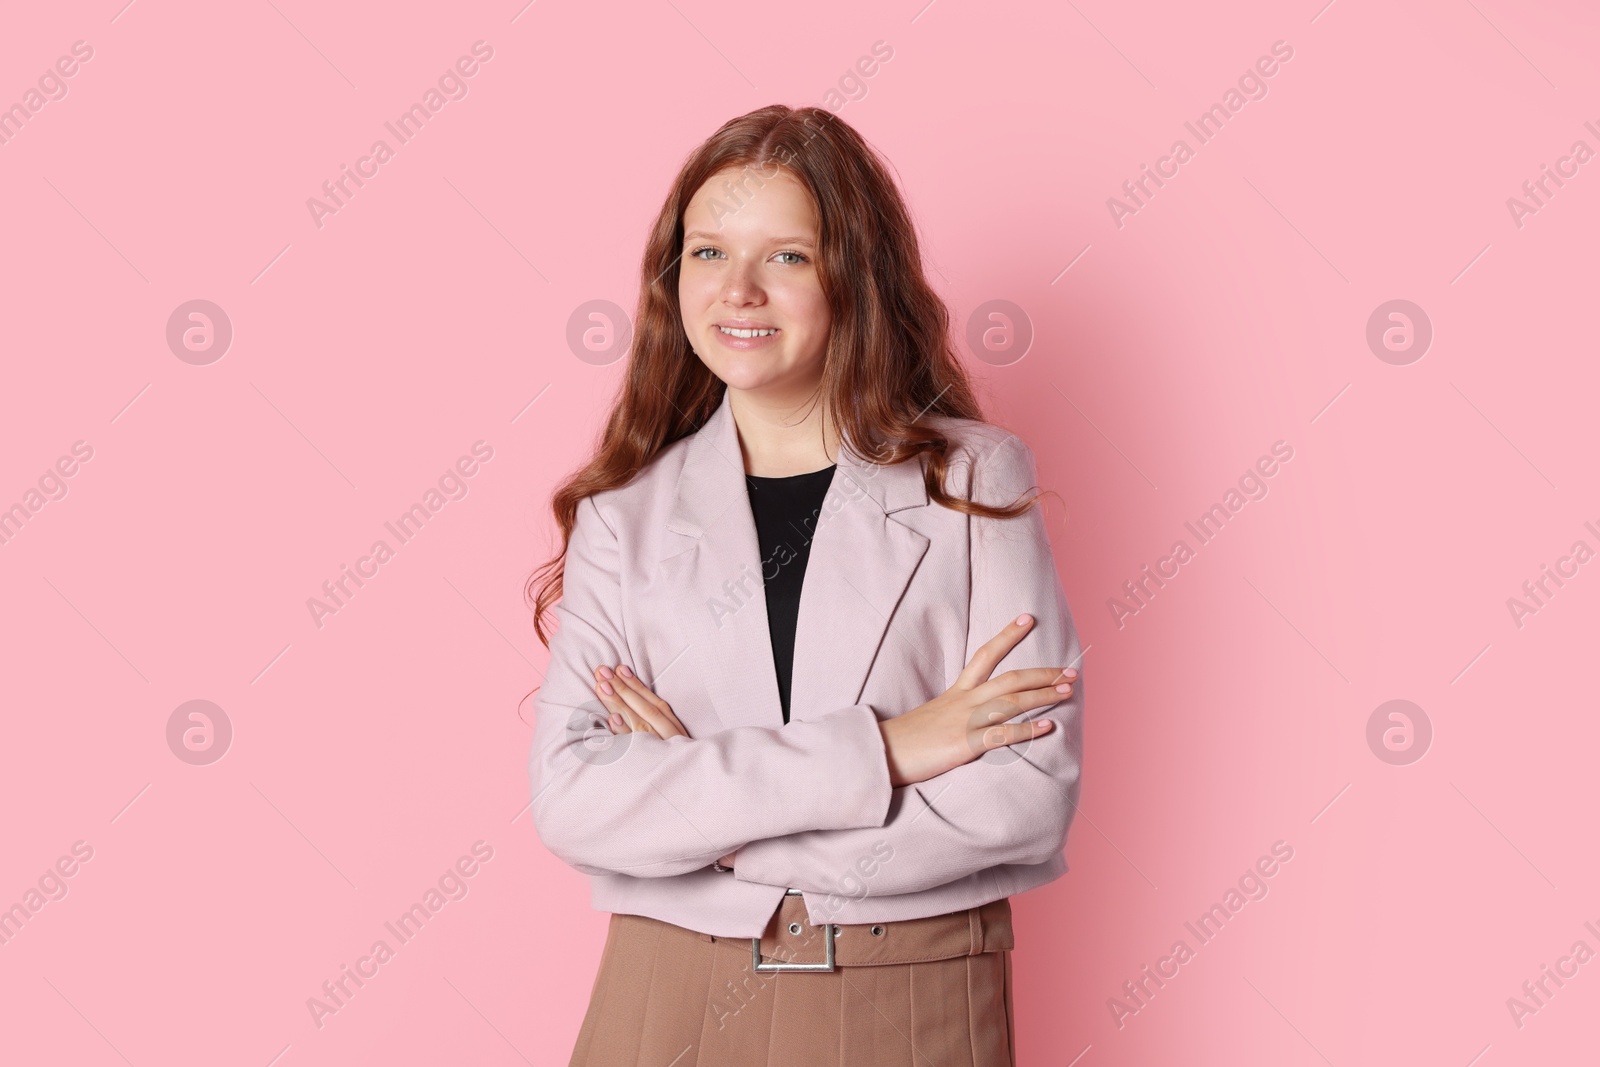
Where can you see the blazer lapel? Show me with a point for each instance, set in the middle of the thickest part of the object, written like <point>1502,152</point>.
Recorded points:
<point>711,562</point>
<point>861,560</point>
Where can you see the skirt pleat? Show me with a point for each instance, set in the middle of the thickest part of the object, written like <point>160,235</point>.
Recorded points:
<point>669,997</point>
<point>877,1024</point>
<point>736,1016</point>
<point>668,1035</point>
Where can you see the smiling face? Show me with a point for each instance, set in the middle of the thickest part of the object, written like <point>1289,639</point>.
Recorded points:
<point>752,302</point>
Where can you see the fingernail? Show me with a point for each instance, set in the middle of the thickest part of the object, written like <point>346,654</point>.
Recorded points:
<point>605,687</point>
<point>605,672</point>
<point>624,671</point>
<point>1024,619</point>
<point>1041,726</point>
<point>1064,688</point>
<point>615,720</point>
<point>1070,672</point>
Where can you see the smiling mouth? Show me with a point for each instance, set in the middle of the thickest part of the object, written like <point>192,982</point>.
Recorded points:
<point>731,332</point>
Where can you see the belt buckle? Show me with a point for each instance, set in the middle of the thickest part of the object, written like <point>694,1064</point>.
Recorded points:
<point>827,948</point>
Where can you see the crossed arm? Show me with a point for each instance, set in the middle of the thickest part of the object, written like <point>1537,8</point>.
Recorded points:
<point>1012,805</point>
<point>648,807</point>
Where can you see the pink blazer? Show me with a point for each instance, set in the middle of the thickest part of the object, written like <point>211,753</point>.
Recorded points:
<point>664,575</point>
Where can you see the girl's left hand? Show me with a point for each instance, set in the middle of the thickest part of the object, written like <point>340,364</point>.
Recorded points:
<point>632,706</point>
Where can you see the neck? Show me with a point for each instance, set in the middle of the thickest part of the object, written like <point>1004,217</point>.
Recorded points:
<point>779,437</point>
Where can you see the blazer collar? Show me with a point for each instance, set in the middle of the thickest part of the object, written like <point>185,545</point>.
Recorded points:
<point>861,559</point>
<point>712,478</point>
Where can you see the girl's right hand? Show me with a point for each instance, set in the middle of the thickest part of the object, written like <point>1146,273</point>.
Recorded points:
<point>967,720</point>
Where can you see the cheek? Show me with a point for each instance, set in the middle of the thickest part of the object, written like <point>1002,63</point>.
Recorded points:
<point>808,308</point>
<point>819,331</point>
<point>695,290</point>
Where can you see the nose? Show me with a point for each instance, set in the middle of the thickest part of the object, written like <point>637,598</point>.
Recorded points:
<point>740,287</point>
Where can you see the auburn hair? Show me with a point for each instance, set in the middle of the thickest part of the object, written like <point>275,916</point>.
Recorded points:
<point>889,360</point>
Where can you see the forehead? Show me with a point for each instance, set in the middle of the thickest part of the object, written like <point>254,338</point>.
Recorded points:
<point>744,202</point>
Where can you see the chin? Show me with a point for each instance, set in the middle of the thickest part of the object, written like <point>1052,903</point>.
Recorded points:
<point>745,370</point>
<point>745,378</point>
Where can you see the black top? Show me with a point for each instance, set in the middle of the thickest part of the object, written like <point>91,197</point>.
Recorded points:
<point>786,512</point>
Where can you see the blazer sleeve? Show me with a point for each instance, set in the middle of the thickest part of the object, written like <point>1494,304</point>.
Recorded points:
<point>1013,804</point>
<point>639,805</point>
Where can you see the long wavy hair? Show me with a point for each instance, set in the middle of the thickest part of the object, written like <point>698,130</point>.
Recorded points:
<point>889,361</point>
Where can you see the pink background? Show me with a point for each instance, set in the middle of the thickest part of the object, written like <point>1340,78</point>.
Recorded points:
<point>1228,313</point>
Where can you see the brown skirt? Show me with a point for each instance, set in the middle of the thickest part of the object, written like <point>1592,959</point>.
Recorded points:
<point>665,996</point>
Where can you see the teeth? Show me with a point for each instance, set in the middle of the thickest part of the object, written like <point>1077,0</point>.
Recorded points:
<point>745,333</point>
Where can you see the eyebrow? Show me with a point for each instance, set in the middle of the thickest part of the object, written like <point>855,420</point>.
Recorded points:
<point>776,240</point>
